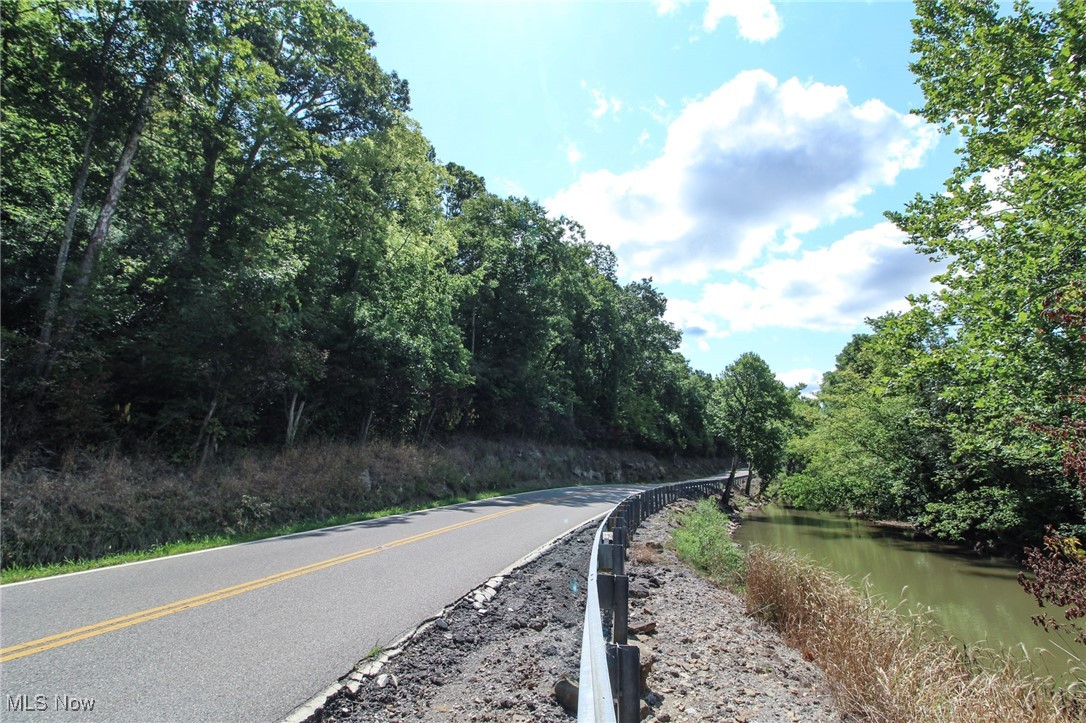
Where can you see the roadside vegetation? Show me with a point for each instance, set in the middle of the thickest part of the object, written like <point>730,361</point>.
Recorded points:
<point>883,664</point>
<point>890,664</point>
<point>703,541</point>
<point>108,510</point>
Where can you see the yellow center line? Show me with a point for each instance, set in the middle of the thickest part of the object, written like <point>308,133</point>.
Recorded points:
<point>32,647</point>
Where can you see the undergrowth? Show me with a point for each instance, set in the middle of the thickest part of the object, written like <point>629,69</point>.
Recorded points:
<point>702,540</point>
<point>93,508</point>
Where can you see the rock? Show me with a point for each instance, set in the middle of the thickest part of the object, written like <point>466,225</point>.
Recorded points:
<point>566,694</point>
<point>538,625</point>
<point>442,624</point>
<point>386,679</point>
<point>644,628</point>
<point>645,710</point>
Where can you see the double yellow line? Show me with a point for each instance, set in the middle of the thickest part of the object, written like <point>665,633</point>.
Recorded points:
<point>22,650</point>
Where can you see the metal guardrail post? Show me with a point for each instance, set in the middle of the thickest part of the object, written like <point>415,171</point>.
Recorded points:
<point>629,684</point>
<point>621,607</point>
<point>610,677</point>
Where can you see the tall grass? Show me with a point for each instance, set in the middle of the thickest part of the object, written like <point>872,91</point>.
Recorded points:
<point>887,666</point>
<point>702,540</point>
<point>89,506</point>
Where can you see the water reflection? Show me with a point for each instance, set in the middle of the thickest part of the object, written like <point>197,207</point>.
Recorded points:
<point>977,599</point>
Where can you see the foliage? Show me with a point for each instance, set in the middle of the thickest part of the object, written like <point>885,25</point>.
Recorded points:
<point>750,409</point>
<point>703,540</point>
<point>938,414</point>
<point>225,230</point>
<point>1059,567</point>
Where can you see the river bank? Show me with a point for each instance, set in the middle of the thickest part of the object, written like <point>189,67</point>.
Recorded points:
<point>977,599</point>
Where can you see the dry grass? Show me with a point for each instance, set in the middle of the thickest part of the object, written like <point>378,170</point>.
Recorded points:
<point>90,505</point>
<point>642,554</point>
<point>884,665</point>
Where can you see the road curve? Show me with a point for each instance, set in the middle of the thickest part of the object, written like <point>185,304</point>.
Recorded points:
<point>249,632</point>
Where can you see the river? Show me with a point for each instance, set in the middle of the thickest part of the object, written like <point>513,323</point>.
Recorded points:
<point>977,599</point>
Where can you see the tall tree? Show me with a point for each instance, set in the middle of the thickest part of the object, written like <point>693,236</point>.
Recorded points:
<point>1009,229</point>
<point>747,408</point>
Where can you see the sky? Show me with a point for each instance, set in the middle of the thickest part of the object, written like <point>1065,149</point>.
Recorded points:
<point>741,153</point>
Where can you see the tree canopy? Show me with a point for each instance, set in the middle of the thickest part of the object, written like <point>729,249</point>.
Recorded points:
<point>939,413</point>
<point>222,228</point>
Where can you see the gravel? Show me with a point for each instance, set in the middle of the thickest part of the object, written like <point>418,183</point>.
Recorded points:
<point>498,653</point>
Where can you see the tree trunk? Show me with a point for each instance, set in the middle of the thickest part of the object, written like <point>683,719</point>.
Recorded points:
<point>53,303</point>
<point>294,419</point>
<point>726,495</point>
<point>365,435</point>
<point>116,185</point>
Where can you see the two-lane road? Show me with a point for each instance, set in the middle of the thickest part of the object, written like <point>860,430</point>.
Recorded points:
<point>250,632</point>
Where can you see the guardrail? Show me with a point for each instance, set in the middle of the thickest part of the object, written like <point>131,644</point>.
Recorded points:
<point>609,688</point>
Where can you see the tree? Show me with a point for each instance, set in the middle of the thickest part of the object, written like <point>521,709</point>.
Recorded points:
<point>1009,229</point>
<point>747,408</point>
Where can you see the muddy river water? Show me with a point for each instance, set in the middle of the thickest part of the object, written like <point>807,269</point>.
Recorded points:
<point>977,599</point>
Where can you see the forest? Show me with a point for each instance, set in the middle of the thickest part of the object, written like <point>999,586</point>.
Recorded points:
<point>222,228</point>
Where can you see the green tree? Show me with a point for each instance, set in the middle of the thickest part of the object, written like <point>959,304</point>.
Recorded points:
<point>748,409</point>
<point>1009,229</point>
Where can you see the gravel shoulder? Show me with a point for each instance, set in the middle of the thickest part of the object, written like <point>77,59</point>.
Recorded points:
<point>498,653</point>
<point>710,660</point>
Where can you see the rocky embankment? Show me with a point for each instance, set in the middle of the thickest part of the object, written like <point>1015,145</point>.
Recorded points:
<point>508,650</point>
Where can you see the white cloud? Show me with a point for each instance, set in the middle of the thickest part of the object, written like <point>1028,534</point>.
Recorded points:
<point>747,168</point>
<point>667,7</point>
<point>507,187</point>
<point>757,19</point>
<point>835,288</point>
<point>603,104</point>
<point>811,377</point>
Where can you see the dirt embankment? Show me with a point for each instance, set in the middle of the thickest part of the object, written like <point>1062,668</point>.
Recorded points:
<point>498,657</point>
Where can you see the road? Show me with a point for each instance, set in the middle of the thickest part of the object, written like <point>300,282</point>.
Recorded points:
<point>250,632</point>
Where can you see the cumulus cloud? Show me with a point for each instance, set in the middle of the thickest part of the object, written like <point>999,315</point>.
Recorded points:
<point>667,7</point>
<point>757,19</point>
<point>601,103</point>
<point>835,288</point>
<point>748,167</point>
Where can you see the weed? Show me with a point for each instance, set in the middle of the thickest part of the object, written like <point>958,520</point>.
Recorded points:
<point>89,510</point>
<point>702,540</point>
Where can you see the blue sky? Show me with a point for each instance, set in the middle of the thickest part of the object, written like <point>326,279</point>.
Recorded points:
<point>739,152</point>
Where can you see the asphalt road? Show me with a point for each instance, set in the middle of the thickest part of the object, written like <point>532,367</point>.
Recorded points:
<point>250,632</point>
